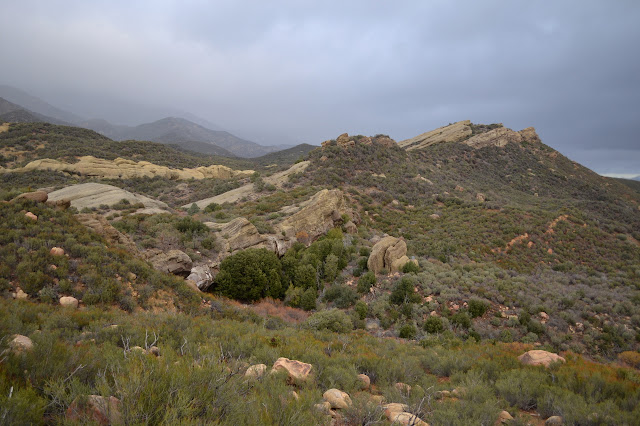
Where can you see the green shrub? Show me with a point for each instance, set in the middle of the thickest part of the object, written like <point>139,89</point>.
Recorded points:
<point>403,292</point>
<point>477,307</point>
<point>365,282</point>
<point>340,295</point>
<point>461,319</point>
<point>410,268</point>
<point>433,325</point>
<point>250,275</point>
<point>308,299</point>
<point>361,309</point>
<point>333,320</point>
<point>407,331</point>
<point>522,387</point>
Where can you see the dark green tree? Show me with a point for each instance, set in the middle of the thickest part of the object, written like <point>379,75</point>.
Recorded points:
<point>250,275</point>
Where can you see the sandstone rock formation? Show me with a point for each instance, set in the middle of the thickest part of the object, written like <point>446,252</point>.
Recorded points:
<point>37,196</point>
<point>56,251</point>
<point>540,357</point>
<point>69,302</point>
<point>121,168</point>
<point>502,136</point>
<point>238,234</point>
<point>173,261</point>
<point>337,399</point>
<point>389,253</point>
<point>504,418</point>
<point>102,227</point>
<point>296,369</point>
<point>397,414</point>
<point>365,381</point>
<point>95,408</point>
<point>96,194</point>
<point>554,421</point>
<point>318,215</point>
<point>31,216</point>
<point>452,133</point>
<point>248,191</point>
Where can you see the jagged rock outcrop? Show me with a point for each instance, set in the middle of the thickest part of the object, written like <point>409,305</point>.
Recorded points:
<point>389,253</point>
<point>502,136</point>
<point>321,213</point>
<point>238,234</point>
<point>540,357</point>
<point>337,398</point>
<point>102,227</point>
<point>121,168</point>
<point>452,133</point>
<point>97,194</point>
<point>174,261</point>
<point>297,370</point>
<point>345,141</point>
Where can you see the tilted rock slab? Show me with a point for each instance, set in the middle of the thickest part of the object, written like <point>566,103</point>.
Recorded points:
<point>102,227</point>
<point>173,261</point>
<point>121,168</point>
<point>96,194</point>
<point>297,370</point>
<point>452,133</point>
<point>540,357</point>
<point>501,137</point>
<point>317,216</point>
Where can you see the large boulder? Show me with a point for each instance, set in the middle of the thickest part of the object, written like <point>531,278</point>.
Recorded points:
<point>337,399</point>
<point>255,371</point>
<point>20,344</point>
<point>91,195</point>
<point>318,215</point>
<point>239,234</point>
<point>102,227</point>
<point>540,357</point>
<point>174,262</point>
<point>69,302</point>
<point>389,253</point>
<point>407,419</point>
<point>37,196</point>
<point>502,136</point>
<point>96,409</point>
<point>296,369</point>
<point>202,276</point>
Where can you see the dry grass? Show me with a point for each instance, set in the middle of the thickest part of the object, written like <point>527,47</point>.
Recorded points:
<point>276,308</point>
<point>4,127</point>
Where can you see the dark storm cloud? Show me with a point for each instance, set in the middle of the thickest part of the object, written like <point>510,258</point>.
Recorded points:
<point>294,71</point>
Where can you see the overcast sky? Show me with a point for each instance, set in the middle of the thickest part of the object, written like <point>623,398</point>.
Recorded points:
<point>291,71</point>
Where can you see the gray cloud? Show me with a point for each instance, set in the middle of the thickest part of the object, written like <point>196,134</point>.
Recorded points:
<point>304,71</point>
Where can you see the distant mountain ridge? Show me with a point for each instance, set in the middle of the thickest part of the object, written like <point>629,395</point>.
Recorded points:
<point>181,132</point>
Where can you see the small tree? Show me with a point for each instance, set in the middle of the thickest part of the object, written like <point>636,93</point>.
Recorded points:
<point>403,292</point>
<point>250,275</point>
<point>308,299</point>
<point>365,282</point>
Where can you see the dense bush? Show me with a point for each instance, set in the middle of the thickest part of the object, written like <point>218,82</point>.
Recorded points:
<point>333,320</point>
<point>250,275</point>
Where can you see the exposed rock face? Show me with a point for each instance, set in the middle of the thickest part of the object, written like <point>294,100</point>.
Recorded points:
<point>69,302</point>
<point>390,253</point>
<point>297,370</point>
<point>20,344</point>
<point>539,357</point>
<point>202,276</point>
<point>504,418</point>
<point>255,371</point>
<point>96,194</point>
<point>101,226</point>
<point>96,408</point>
<point>344,141</point>
<point>20,295</point>
<point>239,234</point>
<point>121,168</point>
<point>554,421</point>
<point>337,399</point>
<point>502,136</point>
<point>318,215</point>
<point>351,227</point>
<point>37,196</point>
<point>452,133</point>
<point>173,262</point>
<point>63,204</point>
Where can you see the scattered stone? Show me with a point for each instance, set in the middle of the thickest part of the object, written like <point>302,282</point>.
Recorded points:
<point>37,196</point>
<point>434,216</point>
<point>442,394</point>
<point>351,227</point>
<point>255,371</point>
<point>154,350</point>
<point>394,408</point>
<point>403,387</point>
<point>480,197</point>
<point>69,302</point>
<point>31,216</point>
<point>323,407</point>
<point>20,344</point>
<point>544,316</point>
<point>337,399</point>
<point>56,251</point>
<point>20,295</point>
<point>459,188</point>
<point>554,421</point>
<point>407,419</point>
<point>95,408</point>
<point>504,418</point>
<point>365,381</point>
<point>540,357</point>
<point>297,370</point>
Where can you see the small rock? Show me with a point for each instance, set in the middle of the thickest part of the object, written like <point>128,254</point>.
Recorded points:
<point>20,344</point>
<point>434,216</point>
<point>337,399</point>
<point>365,381</point>
<point>480,197</point>
<point>154,350</point>
<point>442,394</point>
<point>394,408</point>
<point>31,216</point>
<point>96,409</point>
<point>255,371</point>
<point>403,387</point>
<point>459,188</point>
<point>458,392</point>
<point>56,251</point>
<point>20,295</point>
<point>539,357</point>
<point>504,418</point>
<point>323,407</point>
<point>69,302</point>
<point>297,370</point>
<point>554,421</point>
<point>407,419</point>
